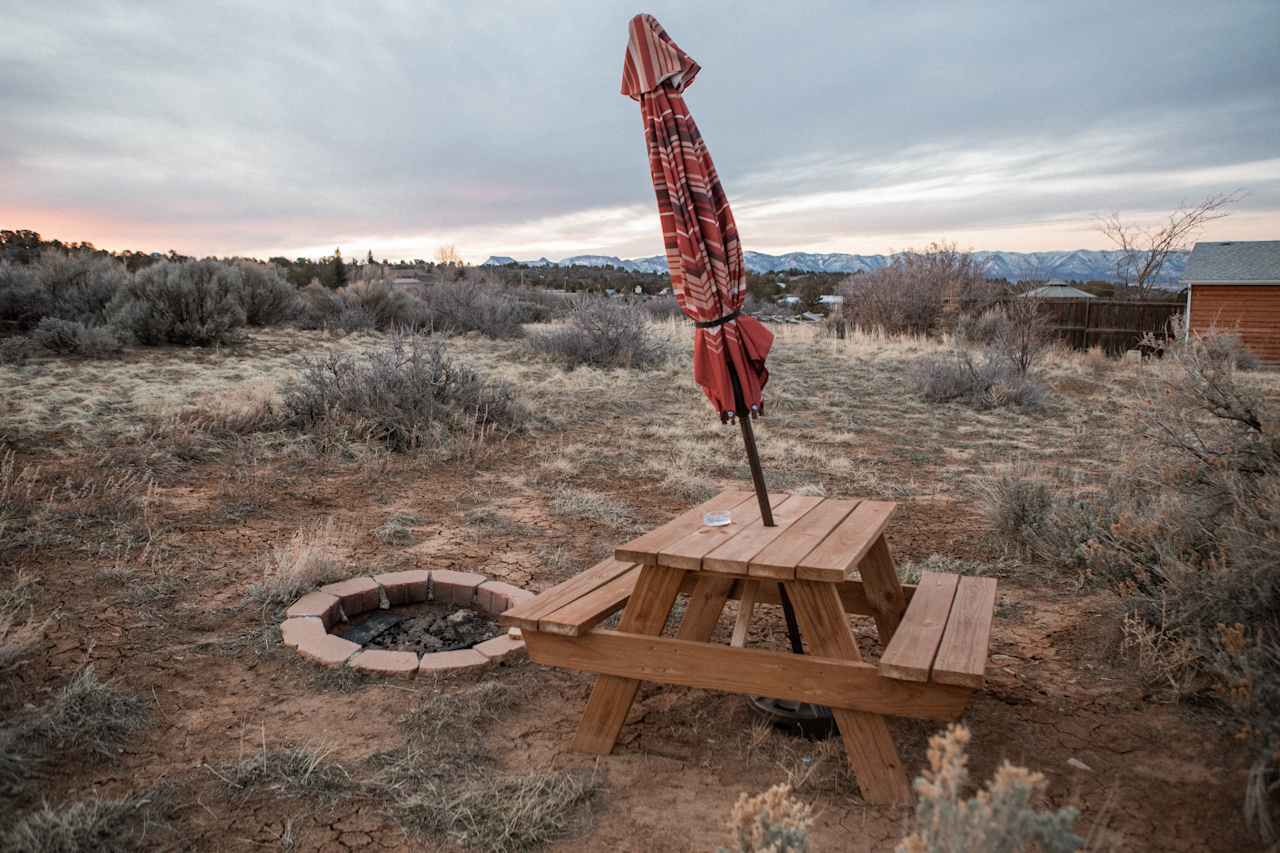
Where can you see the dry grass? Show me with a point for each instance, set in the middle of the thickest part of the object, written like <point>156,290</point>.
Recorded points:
<point>313,556</point>
<point>296,771</point>
<point>87,717</point>
<point>135,822</point>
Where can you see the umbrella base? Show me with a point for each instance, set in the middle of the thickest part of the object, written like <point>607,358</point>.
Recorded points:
<point>797,718</point>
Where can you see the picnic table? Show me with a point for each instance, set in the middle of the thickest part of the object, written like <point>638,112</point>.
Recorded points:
<point>831,557</point>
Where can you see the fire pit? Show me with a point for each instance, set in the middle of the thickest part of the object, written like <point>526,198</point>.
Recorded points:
<point>405,623</point>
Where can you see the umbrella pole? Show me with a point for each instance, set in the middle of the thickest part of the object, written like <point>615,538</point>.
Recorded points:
<point>749,439</point>
<point>762,495</point>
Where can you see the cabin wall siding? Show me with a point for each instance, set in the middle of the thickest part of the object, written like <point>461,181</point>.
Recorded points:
<point>1250,310</point>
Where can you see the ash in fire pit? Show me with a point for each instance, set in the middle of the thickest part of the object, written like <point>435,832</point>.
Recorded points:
<point>423,628</point>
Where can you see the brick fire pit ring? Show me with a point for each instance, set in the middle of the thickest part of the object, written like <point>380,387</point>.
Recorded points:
<point>308,621</point>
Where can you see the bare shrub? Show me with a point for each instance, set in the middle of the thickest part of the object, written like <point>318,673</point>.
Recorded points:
<point>191,303</point>
<point>23,301</point>
<point>1001,818</point>
<point>1187,534</point>
<point>69,337</point>
<point>478,306</point>
<point>772,822</point>
<point>266,298</point>
<point>311,557</point>
<point>319,306</point>
<point>17,349</point>
<point>378,305</point>
<point>662,307</point>
<point>987,383</point>
<point>909,295</point>
<point>406,395</point>
<point>603,333</point>
<point>572,502</point>
<point>79,286</point>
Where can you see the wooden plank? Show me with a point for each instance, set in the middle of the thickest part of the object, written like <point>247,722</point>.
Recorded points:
<point>838,556</point>
<point>884,590</point>
<point>746,604</point>
<point>780,558</point>
<point>644,549</point>
<point>867,742</point>
<point>962,656</point>
<point>579,616</point>
<point>911,653</point>
<point>733,557</point>
<point>757,672</point>
<point>852,594</point>
<point>687,553</point>
<point>702,611</point>
<point>527,613</point>
<point>611,697</point>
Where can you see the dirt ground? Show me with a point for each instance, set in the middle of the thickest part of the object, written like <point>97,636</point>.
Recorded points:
<point>159,603</point>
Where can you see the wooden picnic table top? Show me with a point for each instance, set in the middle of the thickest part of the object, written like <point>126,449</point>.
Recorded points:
<point>814,538</point>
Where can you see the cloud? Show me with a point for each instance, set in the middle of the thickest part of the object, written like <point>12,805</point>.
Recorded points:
<point>291,127</point>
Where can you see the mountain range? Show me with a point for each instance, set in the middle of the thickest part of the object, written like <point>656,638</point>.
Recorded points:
<point>1076,265</point>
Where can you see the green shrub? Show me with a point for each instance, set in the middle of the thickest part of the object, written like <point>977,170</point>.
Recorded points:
<point>190,303</point>
<point>1001,818</point>
<point>266,298</point>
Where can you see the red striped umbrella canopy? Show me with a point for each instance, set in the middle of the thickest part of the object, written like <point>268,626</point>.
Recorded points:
<point>701,240</point>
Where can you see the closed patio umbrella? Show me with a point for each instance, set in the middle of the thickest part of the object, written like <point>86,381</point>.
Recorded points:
<point>704,256</point>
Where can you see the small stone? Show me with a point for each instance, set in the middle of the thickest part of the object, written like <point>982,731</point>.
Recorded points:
<point>1079,765</point>
<point>455,587</point>
<point>358,595</point>
<point>408,587</point>
<point>318,604</point>
<point>328,650</point>
<point>457,617</point>
<point>500,648</point>
<point>385,662</point>
<point>459,659</point>
<point>294,631</point>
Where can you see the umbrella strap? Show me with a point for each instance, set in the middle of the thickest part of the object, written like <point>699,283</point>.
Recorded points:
<point>710,324</point>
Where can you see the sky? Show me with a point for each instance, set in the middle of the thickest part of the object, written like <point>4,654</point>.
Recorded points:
<point>289,128</point>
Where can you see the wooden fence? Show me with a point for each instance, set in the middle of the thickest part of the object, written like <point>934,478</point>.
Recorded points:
<point>1115,325</point>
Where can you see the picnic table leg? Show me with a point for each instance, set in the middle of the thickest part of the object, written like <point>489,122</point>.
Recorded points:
<point>870,748</point>
<point>884,590</point>
<point>706,601</point>
<point>611,697</point>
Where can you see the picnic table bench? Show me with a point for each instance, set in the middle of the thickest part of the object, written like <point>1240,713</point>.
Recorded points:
<point>831,557</point>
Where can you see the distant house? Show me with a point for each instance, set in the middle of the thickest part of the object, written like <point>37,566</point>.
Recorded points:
<point>1235,286</point>
<point>1057,290</point>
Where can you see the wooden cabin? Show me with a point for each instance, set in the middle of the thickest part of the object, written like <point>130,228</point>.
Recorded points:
<point>1234,286</point>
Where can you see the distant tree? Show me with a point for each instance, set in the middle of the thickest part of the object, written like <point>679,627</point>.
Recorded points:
<point>20,246</point>
<point>448,256</point>
<point>369,260</point>
<point>338,269</point>
<point>1143,251</point>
